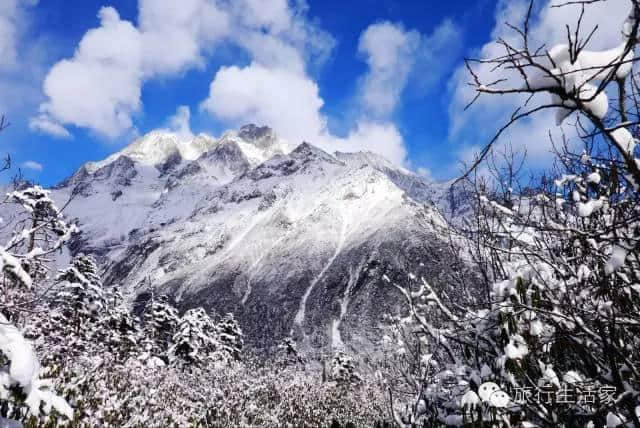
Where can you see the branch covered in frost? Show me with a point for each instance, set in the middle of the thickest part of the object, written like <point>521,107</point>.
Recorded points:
<point>574,77</point>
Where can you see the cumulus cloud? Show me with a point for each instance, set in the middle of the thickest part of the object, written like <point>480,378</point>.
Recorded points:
<point>272,15</point>
<point>179,123</point>
<point>278,33</point>
<point>7,34</point>
<point>99,88</point>
<point>478,125</point>
<point>437,54</point>
<point>177,35</point>
<point>381,138</point>
<point>389,52</point>
<point>395,55</point>
<point>32,165</point>
<point>286,100</point>
<point>290,102</point>
<point>21,60</point>
<point>277,89</point>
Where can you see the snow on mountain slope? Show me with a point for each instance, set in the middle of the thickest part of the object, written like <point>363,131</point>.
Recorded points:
<point>159,179</point>
<point>286,239</point>
<point>257,143</point>
<point>418,188</point>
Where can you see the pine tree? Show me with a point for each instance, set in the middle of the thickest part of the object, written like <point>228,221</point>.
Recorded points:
<point>231,336</point>
<point>120,330</point>
<point>81,298</point>
<point>288,352</point>
<point>160,323</point>
<point>343,369</point>
<point>195,340</point>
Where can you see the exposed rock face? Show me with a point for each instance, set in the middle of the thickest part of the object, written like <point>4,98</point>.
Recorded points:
<point>292,240</point>
<point>257,134</point>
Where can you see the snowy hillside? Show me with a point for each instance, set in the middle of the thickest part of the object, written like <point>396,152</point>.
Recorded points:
<point>250,224</point>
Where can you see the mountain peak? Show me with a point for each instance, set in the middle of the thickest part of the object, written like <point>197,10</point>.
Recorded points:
<point>308,150</point>
<point>253,222</point>
<point>155,147</point>
<point>252,132</point>
<point>257,143</point>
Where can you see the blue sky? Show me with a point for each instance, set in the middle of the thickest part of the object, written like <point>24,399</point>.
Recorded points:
<point>79,79</point>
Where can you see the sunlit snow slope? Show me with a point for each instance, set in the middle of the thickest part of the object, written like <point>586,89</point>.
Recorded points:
<point>293,240</point>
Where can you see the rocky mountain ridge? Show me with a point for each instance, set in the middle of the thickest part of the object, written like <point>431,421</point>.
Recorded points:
<point>293,240</point>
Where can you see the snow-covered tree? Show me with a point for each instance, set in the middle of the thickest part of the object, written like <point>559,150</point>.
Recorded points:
<point>38,231</point>
<point>550,338</point>
<point>119,329</point>
<point>287,352</point>
<point>230,336</point>
<point>342,369</point>
<point>160,322</point>
<point>195,341</point>
<point>81,298</point>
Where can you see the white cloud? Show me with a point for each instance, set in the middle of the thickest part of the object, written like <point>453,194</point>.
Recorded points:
<point>398,57</point>
<point>285,100</point>
<point>290,102</point>
<point>272,15</point>
<point>12,16</point>
<point>276,88</point>
<point>278,33</point>
<point>20,59</point>
<point>382,138</point>
<point>43,124</point>
<point>389,52</point>
<point>179,123</point>
<point>274,52</point>
<point>437,54</point>
<point>32,165</point>
<point>176,35</point>
<point>7,35</point>
<point>99,88</point>
<point>478,125</point>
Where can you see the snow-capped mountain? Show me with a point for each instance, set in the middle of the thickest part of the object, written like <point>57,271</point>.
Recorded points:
<point>293,240</point>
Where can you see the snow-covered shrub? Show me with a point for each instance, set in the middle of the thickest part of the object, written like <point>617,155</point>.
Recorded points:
<point>550,337</point>
<point>106,391</point>
<point>287,353</point>
<point>342,369</point>
<point>38,231</point>
<point>264,395</point>
<point>558,334</point>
